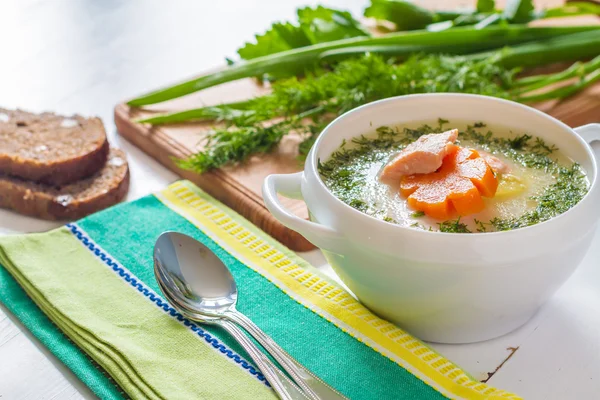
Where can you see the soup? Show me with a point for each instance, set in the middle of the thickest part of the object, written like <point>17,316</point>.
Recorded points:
<point>535,181</point>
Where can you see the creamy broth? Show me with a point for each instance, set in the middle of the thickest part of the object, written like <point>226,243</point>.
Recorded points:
<point>539,173</point>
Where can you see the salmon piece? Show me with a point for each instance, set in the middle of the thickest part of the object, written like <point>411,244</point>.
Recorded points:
<point>458,186</point>
<point>496,164</point>
<point>423,156</point>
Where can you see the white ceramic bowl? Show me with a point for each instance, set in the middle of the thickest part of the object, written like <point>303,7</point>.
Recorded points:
<point>444,287</point>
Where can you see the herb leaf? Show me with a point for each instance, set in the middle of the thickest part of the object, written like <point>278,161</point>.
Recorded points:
<point>485,5</point>
<point>281,37</point>
<point>454,227</point>
<point>315,25</point>
<point>518,11</point>
<point>518,142</point>
<point>405,15</point>
<point>325,24</point>
<point>481,226</point>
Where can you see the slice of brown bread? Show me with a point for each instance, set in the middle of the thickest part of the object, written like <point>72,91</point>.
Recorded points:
<point>101,190</point>
<point>50,148</point>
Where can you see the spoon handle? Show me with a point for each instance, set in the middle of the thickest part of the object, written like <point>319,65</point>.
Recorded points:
<point>312,386</point>
<point>282,385</point>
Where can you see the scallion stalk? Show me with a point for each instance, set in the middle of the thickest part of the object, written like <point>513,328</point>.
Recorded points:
<point>460,39</point>
<point>531,83</point>
<point>564,91</point>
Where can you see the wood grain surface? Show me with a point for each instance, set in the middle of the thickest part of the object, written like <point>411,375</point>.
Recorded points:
<point>240,187</point>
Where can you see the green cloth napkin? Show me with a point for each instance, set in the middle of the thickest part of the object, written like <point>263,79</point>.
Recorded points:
<point>87,291</point>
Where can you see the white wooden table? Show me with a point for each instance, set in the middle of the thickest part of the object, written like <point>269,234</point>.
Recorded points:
<point>85,56</point>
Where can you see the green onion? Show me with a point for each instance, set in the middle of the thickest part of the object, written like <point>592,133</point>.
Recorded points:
<point>532,83</point>
<point>565,91</point>
<point>212,113</point>
<point>461,40</point>
<point>571,47</point>
<point>579,45</point>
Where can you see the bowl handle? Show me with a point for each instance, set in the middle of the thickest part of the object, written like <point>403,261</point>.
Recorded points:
<point>289,185</point>
<point>589,132</point>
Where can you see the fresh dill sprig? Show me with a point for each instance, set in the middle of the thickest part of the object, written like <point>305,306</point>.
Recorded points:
<point>304,106</point>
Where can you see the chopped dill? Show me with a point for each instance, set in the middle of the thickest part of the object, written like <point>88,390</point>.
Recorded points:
<point>518,142</point>
<point>358,204</point>
<point>454,226</point>
<point>481,226</point>
<point>569,189</point>
<point>346,171</point>
<point>418,225</point>
<point>540,147</point>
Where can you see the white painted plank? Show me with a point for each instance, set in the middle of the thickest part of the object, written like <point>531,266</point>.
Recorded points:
<point>560,359</point>
<point>28,371</point>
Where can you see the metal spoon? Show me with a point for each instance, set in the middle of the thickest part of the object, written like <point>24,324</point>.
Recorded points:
<point>198,281</point>
<point>282,385</point>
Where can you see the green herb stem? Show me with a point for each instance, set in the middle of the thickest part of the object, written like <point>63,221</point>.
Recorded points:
<point>572,47</point>
<point>230,145</point>
<point>211,113</point>
<point>578,69</point>
<point>290,61</point>
<point>565,91</point>
<point>237,111</point>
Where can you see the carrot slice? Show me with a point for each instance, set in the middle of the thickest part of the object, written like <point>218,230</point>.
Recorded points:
<point>458,186</point>
<point>464,196</point>
<point>482,176</point>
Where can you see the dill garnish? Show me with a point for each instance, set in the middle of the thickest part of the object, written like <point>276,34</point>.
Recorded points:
<point>570,187</point>
<point>481,226</point>
<point>454,226</point>
<point>345,173</point>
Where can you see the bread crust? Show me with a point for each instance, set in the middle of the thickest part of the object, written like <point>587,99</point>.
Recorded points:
<point>108,186</point>
<point>51,168</point>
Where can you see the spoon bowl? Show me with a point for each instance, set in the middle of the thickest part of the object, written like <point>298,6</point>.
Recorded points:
<point>186,312</point>
<point>195,277</point>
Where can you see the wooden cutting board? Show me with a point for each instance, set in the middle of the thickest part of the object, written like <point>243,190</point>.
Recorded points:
<point>240,187</point>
